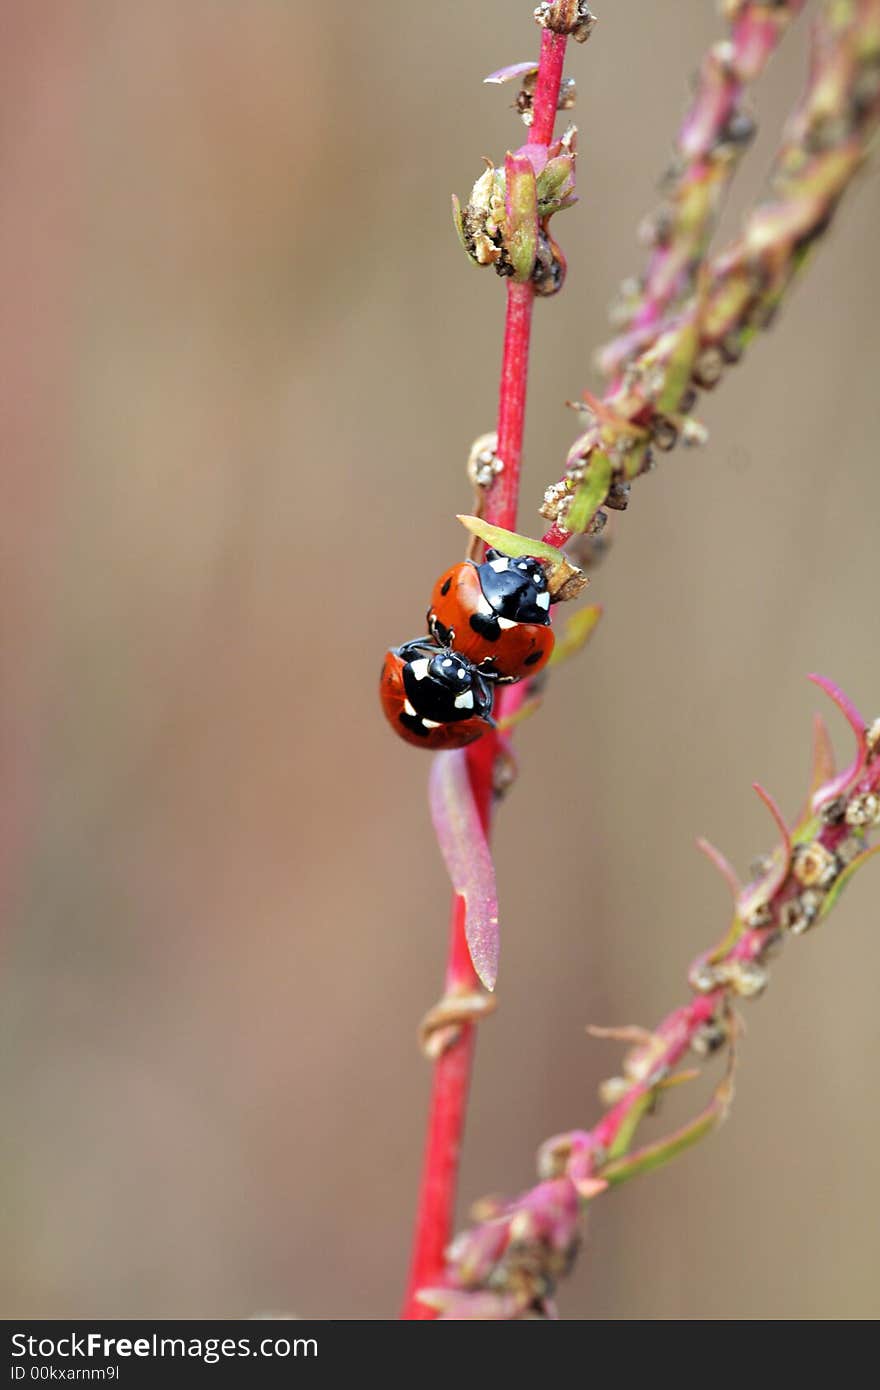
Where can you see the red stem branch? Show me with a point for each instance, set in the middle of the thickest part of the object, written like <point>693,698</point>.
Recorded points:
<point>452,1070</point>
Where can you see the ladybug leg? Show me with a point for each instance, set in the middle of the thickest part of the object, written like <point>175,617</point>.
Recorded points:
<point>442,634</point>
<point>486,671</point>
<point>419,646</point>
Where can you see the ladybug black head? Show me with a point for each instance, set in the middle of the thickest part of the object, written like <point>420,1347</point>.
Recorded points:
<point>442,686</point>
<point>515,587</point>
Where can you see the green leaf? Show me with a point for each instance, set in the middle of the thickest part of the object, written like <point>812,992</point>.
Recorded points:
<point>626,1133</point>
<point>681,343</point>
<point>510,543</point>
<point>521,198</point>
<point>843,879</point>
<point>564,580</point>
<point>591,493</point>
<point>653,1156</point>
<point>555,184</point>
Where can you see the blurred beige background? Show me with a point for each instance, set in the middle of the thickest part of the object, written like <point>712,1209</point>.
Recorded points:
<point>243,360</point>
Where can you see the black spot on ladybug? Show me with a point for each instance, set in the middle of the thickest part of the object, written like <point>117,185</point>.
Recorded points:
<point>486,625</point>
<point>532,658</point>
<point>446,587</point>
<point>414,724</point>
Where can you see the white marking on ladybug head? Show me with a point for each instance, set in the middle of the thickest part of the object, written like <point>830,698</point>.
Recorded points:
<point>420,668</point>
<point>543,600</point>
<point>505,623</point>
<point>500,565</point>
<point>483,605</point>
<point>465,700</point>
<point>408,709</point>
<point>462,673</point>
<point>430,723</point>
<point>447,661</point>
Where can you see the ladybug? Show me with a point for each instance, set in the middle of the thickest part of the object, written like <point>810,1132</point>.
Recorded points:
<point>434,697</point>
<point>497,614</point>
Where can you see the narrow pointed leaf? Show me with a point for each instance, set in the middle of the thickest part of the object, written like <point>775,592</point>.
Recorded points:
<point>512,71</point>
<point>845,779</point>
<point>764,888</point>
<point>844,877</point>
<point>465,851</point>
<point>630,1124</point>
<point>509,542</point>
<point>591,493</point>
<point>653,1156</point>
<point>821,772</point>
<point>723,865</point>
<point>564,580</point>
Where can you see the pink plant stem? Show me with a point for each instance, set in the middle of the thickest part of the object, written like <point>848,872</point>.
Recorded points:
<point>546,99</point>
<point>501,503</point>
<point>452,1070</point>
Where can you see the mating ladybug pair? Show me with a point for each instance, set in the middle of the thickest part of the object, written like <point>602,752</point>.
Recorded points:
<point>488,624</point>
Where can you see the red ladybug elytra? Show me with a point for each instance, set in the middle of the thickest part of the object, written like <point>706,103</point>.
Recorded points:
<point>434,697</point>
<point>496,614</point>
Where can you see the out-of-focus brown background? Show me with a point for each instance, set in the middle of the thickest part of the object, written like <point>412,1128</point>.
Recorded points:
<point>243,358</point>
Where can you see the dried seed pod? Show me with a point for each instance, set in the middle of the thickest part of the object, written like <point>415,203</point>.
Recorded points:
<point>709,1038</point>
<point>872,738</point>
<point>548,276</point>
<point>480,223</point>
<point>746,978</point>
<point>553,1156</point>
<point>814,866</point>
<point>797,915</point>
<point>613,1089</point>
<point>693,433</point>
<point>572,17</point>
<point>618,496</point>
<point>664,433</point>
<point>484,465</point>
<point>555,497</point>
<point>567,94</point>
<point>863,810</point>
<point>848,849</point>
<point>739,130</point>
<point>525,97</point>
<point>709,367</point>
<point>703,978</point>
<point>833,812</point>
<point>759,917</point>
<point>811,902</point>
